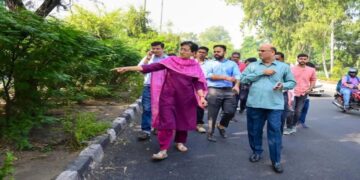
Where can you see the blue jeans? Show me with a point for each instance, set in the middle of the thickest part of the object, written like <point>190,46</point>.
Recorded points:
<point>346,92</point>
<point>256,118</point>
<point>304,111</point>
<point>146,105</point>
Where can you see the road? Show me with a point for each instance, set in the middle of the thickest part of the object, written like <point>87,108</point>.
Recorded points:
<point>329,149</point>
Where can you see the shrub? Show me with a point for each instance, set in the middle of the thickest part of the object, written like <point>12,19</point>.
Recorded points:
<point>82,128</point>
<point>7,169</point>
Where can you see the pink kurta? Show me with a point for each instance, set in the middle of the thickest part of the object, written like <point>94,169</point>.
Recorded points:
<point>304,76</point>
<point>176,108</point>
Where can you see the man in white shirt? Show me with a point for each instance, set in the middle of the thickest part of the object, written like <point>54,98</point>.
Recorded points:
<point>155,55</point>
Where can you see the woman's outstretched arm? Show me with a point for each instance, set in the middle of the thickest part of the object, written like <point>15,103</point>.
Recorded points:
<point>127,68</point>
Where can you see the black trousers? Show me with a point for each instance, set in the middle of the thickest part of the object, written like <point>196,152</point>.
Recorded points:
<point>299,104</point>
<point>244,92</point>
<point>200,115</point>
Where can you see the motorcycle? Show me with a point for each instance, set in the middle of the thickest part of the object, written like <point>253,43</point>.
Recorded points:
<point>354,101</point>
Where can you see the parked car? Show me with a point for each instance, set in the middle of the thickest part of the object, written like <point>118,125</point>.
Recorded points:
<point>318,89</point>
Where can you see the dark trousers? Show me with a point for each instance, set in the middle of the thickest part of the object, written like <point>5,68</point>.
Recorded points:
<point>244,91</point>
<point>200,115</point>
<point>220,98</point>
<point>285,112</point>
<point>256,118</point>
<point>299,104</point>
<point>237,99</point>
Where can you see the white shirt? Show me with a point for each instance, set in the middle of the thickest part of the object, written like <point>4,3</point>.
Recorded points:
<point>153,59</point>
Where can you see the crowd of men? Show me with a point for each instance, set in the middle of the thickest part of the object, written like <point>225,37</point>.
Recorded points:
<point>268,89</point>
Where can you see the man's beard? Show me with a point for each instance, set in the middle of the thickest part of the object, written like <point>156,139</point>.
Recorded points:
<point>218,57</point>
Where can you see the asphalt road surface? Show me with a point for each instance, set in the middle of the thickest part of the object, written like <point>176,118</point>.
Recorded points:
<point>328,149</point>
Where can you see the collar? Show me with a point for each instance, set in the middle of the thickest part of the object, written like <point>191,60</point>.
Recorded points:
<point>163,56</point>
<point>275,62</point>
<point>223,61</point>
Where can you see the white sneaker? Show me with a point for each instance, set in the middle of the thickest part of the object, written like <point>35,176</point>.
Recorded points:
<point>200,128</point>
<point>286,131</point>
<point>290,131</point>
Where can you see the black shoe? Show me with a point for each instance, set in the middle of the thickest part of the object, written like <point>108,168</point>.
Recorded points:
<point>143,136</point>
<point>255,158</point>
<point>154,131</point>
<point>278,168</point>
<point>241,111</point>
<point>222,132</point>
<point>211,138</point>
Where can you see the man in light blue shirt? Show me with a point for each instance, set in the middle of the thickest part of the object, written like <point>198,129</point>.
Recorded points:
<point>223,78</point>
<point>268,78</point>
<point>155,55</point>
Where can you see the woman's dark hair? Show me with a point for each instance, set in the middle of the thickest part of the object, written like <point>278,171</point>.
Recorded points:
<point>193,47</point>
<point>220,46</point>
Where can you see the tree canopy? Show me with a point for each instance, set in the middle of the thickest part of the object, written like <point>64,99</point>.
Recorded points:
<point>307,26</point>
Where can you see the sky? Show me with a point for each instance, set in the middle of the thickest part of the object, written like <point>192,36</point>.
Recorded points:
<point>185,15</point>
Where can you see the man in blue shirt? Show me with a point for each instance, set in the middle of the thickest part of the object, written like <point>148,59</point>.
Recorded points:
<point>223,78</point>
<point>155,55</point>
<point>268,78</point>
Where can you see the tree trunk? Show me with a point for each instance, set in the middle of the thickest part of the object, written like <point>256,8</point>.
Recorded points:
<point>44,10</point>
<point>46,7</point>
<point>332,47</point>
<point>14,5</point>
<point>324,62</point>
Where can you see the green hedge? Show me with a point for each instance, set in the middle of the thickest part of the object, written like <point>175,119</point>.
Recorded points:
<point>47,63</point>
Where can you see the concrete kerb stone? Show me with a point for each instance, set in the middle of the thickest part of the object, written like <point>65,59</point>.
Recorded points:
<point>95,151</point>
<point>69,175</point>
<point>136,107</point>
<point>129,112</point>
<point>81,164</point>
<point>92,155</point>
<point>112,135</point>
<point>103,140</point>
<point>119,124</point>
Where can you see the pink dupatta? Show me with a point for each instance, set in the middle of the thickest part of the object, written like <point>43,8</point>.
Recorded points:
<point>188,67</point>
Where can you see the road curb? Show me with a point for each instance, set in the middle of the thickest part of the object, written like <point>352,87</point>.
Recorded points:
<point>92,155</point>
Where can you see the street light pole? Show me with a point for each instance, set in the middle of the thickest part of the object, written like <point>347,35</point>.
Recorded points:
<point>161,16</point>
<point>145,5</point>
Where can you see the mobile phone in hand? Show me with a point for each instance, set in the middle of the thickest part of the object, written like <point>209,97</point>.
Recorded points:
<point>277,85</point>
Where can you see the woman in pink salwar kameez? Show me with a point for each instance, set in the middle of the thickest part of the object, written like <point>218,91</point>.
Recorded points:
<point>178,86</point>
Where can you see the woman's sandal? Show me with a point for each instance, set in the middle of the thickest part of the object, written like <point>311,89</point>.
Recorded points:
<point>181,147</point>
<point>161,155</point>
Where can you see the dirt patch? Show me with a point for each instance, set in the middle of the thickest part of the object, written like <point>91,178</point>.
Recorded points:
<point>50,155</point>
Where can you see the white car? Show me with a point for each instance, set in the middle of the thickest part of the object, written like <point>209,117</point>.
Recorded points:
<point>318,89</point>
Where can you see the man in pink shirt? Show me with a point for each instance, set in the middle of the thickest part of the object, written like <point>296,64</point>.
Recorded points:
<point>305,81</point>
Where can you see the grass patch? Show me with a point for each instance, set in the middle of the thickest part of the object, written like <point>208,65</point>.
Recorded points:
<point>81,128</point>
